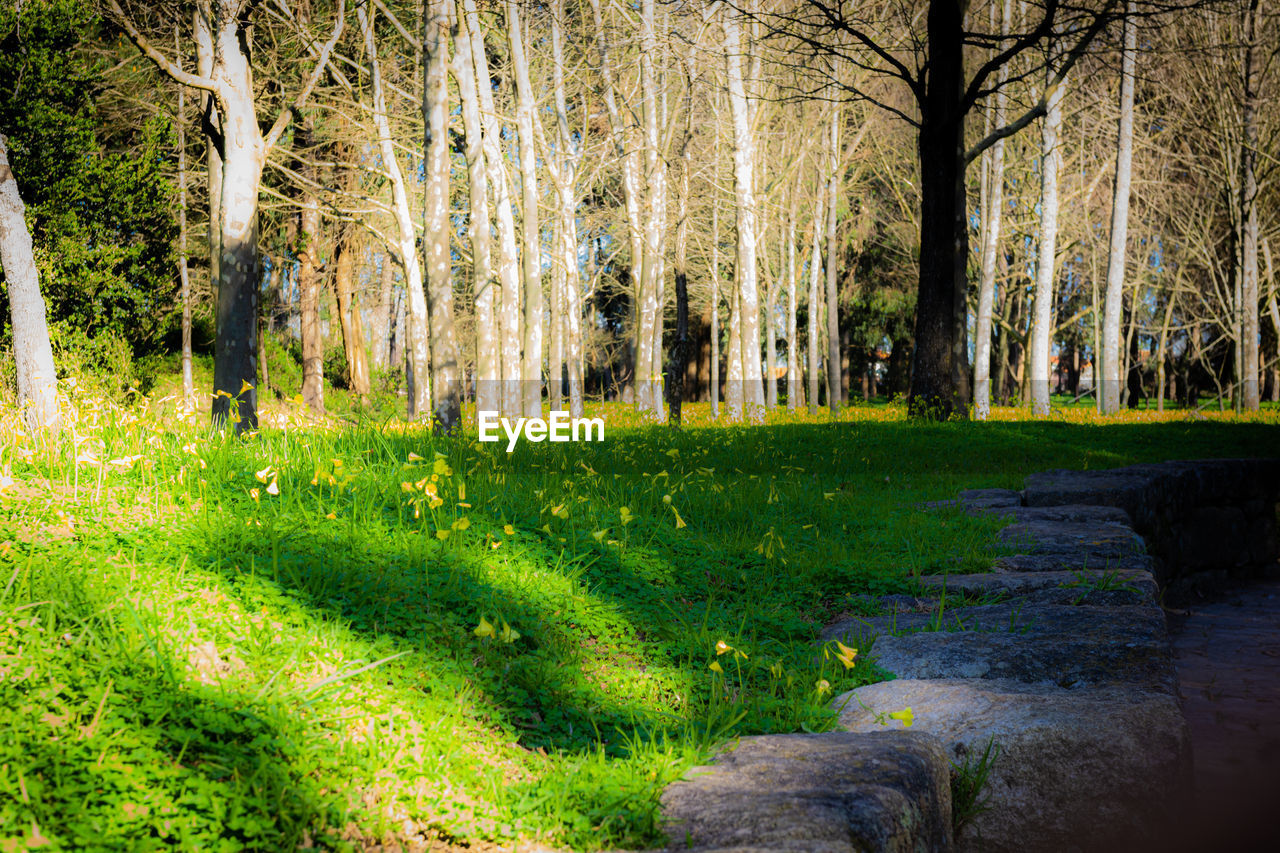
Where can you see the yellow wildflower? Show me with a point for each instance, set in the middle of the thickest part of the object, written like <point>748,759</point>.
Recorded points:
<point>715,666</point>
<point>905,715</point>
<point>484,629</point>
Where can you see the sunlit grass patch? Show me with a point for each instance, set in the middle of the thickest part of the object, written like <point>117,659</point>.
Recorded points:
<point>346,629</point>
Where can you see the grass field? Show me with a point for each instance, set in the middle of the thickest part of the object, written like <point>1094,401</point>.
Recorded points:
<point>330,634</point>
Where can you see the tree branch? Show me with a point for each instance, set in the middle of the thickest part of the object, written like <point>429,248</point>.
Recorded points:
<point>186,78</point>
<point>286,114</point>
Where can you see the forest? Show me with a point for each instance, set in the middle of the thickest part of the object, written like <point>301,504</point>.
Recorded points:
<point>272,272</point>
<point>652,203</point>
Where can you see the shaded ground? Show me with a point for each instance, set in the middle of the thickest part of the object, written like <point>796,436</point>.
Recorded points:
<point>1227,651</point>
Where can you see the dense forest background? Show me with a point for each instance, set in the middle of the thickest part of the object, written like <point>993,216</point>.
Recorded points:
<point>653,202</point>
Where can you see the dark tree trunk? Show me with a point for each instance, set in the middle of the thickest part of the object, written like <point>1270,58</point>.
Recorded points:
<point>939,380</point>
<point>680,352</point>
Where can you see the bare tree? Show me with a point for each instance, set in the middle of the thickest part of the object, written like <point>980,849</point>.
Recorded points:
<point>33,354</point>
<point>445,379</point>
<point>1109,398</point>
<point>242,148</point>
<point>405,244</point>
<point>1046,263</point>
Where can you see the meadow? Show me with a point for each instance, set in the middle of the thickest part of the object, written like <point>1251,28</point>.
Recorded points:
<point>346,632</point>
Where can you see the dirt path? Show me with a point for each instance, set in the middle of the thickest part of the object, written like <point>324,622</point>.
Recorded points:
<point>1227,652</point>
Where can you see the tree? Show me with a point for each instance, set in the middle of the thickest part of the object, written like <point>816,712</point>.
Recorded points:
<point>1109,399</point>
<point>1047,261</point>
<point>932,68</point>
<point>745,210</point>
<point>992,212</point>
<point>531,239</point>
<point>242,148</point>
<point>1247,373</point>
<point>405,245</point>
<point>445,374</point>
<point>37,381</point>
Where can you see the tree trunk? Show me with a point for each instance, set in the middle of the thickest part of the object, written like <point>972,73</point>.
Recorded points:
<point>648,345</point>
<point>184,276</point>
<point>746,267</point>
<point>992,215</point>
<point>1162,355</point>
<point>815,299</point>
<point>680,352</point>
<point>1110,386</point>
<point>383,314</point>
<point>416,331</point>
<point>202,34</point>
<point>349,315</point>
<point>715,311</point>
<point>733,385</point>
<point>570,157</point>
<point>235,364</point>
<point>446,373</point>
<point>531,239</point>
<point>1248,376</point>
<point>33,354</point>
<point>309,278</point>
<point>488,358</point>
<point>793,341</point>
<point>1046,263</point>
<point>940,375</point>
<point>507,299</point>
<point>835,375</point>
<point>1275,318</point>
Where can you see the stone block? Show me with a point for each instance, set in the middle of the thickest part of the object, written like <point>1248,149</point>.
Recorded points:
<point>838,792</point>
<point>1077,770</point>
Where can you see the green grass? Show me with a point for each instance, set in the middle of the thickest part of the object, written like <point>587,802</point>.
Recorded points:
<point>187,660</point>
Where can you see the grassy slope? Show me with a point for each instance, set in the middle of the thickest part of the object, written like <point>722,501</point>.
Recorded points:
<point>185,662</point>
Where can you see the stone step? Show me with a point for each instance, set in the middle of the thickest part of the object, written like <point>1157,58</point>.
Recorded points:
<point>838,792</point>
<point>1099,588</point>
<point>1071,646</point>
<point>1072,561</point>
<point>1102,768</point>
<point>1075,513</point>
<point>1087,540</point>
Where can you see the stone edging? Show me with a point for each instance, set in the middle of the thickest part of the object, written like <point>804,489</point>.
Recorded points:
<point>1060,656</point>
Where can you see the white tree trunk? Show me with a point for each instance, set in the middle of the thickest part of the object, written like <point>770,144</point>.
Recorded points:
<point>628,150</point>
<point>1046,268</point>
<point>566,189</point>
<point>416,332</point>
<point>33,354</point>
<point>508,298</point>
<point>834,372</point>
<point>488,359</point>
<point>446,380</point>
<point>648,358</point>
<point>530,236</point>
<point>992,214</point>
<point>1110,385</point>
<point>744,194</point>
